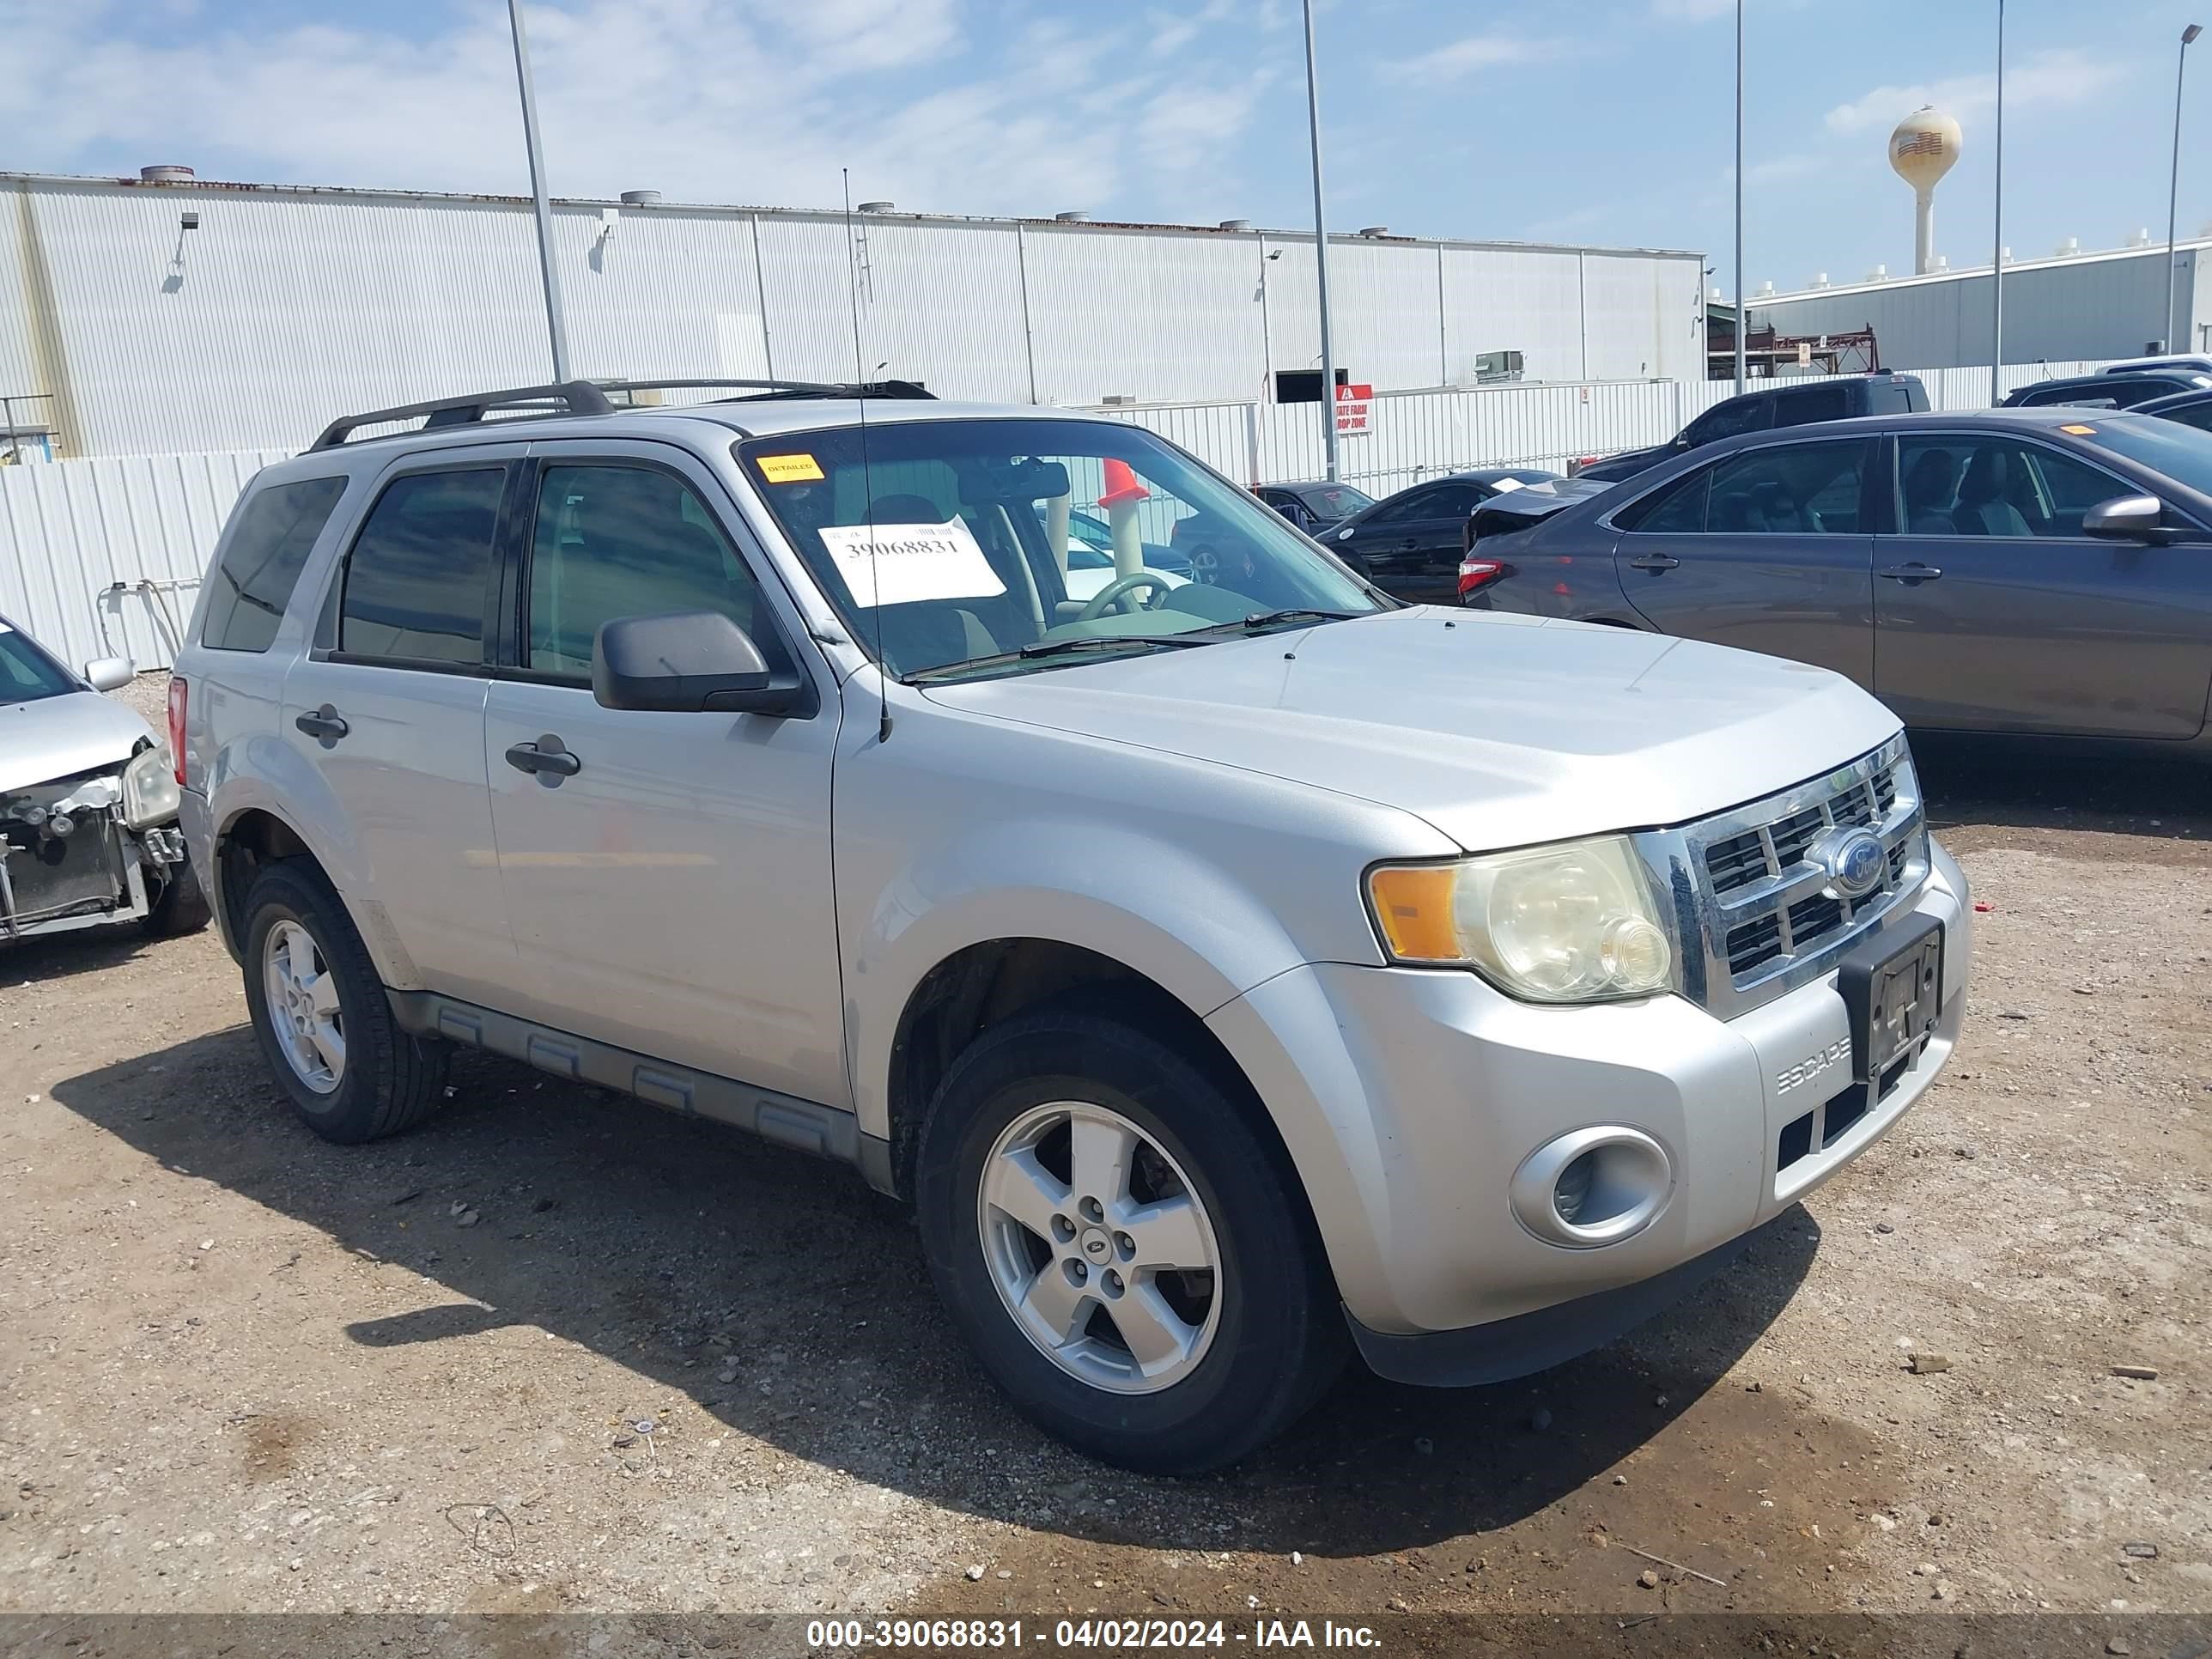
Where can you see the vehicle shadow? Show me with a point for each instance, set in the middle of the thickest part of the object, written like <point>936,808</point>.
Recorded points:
<point>688,1253</point>
<point>63,956</point>
<point>1982,780</point>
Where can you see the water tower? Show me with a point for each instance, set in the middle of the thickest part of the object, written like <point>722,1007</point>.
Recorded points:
<point>1923,148</point>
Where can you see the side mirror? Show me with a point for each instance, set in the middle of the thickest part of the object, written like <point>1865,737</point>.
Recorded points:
<point>2126,519</point>
<point>110,673</point>
<point>691,662</point>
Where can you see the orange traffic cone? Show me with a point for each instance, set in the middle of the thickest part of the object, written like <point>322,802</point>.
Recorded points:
<point>1121,485</point>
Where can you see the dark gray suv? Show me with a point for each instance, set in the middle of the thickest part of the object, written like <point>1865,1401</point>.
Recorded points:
<point>2026,571</point>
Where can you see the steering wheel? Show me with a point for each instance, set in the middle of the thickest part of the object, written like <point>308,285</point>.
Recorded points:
<point>1121,586</point>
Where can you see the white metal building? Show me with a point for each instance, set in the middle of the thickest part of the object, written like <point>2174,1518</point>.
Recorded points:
<point>2070,306</point>
<point>201,316</point>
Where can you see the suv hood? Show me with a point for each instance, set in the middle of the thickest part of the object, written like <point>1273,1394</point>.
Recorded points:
<point>1498,729</point>
<point>59,736</point>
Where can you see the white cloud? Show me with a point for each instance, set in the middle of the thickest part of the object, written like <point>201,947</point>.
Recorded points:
<point>1707,11</point>
<point>2048,80</point>
<point>1780,169</point>
<point>712,100</point>
<point>1465,57</point>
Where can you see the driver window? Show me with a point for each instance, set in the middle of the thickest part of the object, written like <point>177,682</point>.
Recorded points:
<point>630,541</point>
<point>2000,487</point>
<point>1726,420</point>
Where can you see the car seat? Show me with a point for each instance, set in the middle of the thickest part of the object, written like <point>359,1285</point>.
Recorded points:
<point>1983,509</point>
<point>929,633</point>
<point>1929,486</point>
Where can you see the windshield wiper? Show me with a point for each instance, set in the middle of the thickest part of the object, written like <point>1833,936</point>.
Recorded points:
<point>1079,643</point>
<point>1259,619</point>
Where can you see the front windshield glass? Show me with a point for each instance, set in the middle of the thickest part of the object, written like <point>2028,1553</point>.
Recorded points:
<point>954,547</point>
<point>2184,453</point>
<point>27,674</point>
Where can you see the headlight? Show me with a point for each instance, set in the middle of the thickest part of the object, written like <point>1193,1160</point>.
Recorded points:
<point>1573,922</point>
<point>149,788</point>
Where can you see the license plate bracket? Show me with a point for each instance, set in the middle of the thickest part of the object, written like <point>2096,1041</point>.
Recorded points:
<point>1893,987</point>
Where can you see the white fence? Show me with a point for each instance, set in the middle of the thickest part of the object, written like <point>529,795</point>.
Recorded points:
<point>1418,434</point>
<point>70,532</point>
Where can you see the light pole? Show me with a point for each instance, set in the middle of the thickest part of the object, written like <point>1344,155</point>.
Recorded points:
<point>1742,310</point>
<point>1997,239</point>
<point>554,326</point>
<point>1320,258</point>
<point>2174,188</point>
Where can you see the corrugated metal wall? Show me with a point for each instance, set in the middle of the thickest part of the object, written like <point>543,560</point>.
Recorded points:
<point>2097,307</point>
<point>70,529</point>
<point>285,307</point>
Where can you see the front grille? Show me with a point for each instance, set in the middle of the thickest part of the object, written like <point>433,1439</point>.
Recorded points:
<point>1757,901</point>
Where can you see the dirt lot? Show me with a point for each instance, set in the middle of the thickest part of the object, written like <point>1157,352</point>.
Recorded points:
<point>556,1352</point>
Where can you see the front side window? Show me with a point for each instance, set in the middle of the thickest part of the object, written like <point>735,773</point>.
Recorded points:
<point>1997,487</point>
<point>27,674</point>
<point>929,538</point>
<point>613,540</point>
<point>1726,420</point>
<point>1791,489</point>
<point>414,581</point>
<point>1408,508</point>
<point>261,566</point>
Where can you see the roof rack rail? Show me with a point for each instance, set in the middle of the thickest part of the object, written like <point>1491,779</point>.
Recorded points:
<point>762,391</point>
<point>568,398</point>
<point>591,398</point>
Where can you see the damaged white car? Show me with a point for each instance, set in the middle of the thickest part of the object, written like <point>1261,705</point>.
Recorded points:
<point>87,803</point>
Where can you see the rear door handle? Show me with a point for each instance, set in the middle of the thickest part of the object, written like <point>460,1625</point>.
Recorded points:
<point>546,754</point>
<point>1653,561</point>
<point>1914,572</point>
<point>326,724</point>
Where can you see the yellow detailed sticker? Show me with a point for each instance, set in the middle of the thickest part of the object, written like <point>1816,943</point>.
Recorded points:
<point>2080,431</point>
<point>789,469</point>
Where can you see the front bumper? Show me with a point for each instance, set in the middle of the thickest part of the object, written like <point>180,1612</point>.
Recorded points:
<point>104,872</point>
<point>1410,1098</point>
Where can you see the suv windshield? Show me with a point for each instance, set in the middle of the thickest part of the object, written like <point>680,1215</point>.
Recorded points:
<point>960,547</point>
<point>27,674</point>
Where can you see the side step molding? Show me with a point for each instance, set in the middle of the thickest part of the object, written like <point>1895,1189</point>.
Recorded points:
<point>802,1125</point>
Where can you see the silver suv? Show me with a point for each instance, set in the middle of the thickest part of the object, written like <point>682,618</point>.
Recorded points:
<point>1232,967</point>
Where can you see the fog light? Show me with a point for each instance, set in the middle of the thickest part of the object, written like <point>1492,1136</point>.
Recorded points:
<point>1593,1187</point>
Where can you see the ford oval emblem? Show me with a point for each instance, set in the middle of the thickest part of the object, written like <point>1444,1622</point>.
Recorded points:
<point>1855,862</point>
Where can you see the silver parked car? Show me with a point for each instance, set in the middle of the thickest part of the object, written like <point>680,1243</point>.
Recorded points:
<point>87,803</point>
<point>1231,971</point>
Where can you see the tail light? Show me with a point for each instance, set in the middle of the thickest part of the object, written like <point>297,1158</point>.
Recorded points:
<point>1478,572</point>
<point>178,692</point>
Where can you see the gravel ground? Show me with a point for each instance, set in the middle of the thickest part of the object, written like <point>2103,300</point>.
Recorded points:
<point>555,1351</point>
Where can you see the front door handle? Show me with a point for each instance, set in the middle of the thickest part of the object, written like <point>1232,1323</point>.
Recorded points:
<point>546,754</point>
<point>324,725</point>
<point>1914,572</point>
<point>1653,561</point>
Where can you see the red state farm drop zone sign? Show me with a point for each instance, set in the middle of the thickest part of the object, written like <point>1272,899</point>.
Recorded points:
<point>1353,406</point>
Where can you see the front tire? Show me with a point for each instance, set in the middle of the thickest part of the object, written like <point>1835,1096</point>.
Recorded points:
<point>321,1015</point>
<point>180,908</point>
<point>1120,1248</point>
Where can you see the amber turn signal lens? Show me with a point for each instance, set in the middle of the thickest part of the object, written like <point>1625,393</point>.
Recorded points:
<point>1413,907</point>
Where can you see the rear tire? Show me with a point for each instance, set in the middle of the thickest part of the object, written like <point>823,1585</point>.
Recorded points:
<point>1166,1371</point>
<point>320,1013</point>
<point>180,908</point>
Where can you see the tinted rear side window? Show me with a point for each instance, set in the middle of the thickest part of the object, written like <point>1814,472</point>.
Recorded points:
<point>414,581</point>
<point>1679,509</point>
<point>1822,403</point>
<point>261,566</point>
<point>1895,397</point>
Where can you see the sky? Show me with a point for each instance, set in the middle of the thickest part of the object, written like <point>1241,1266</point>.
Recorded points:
<point>1599,122</point>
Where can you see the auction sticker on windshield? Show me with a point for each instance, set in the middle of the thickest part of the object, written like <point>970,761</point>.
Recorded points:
<point>904,563</point>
